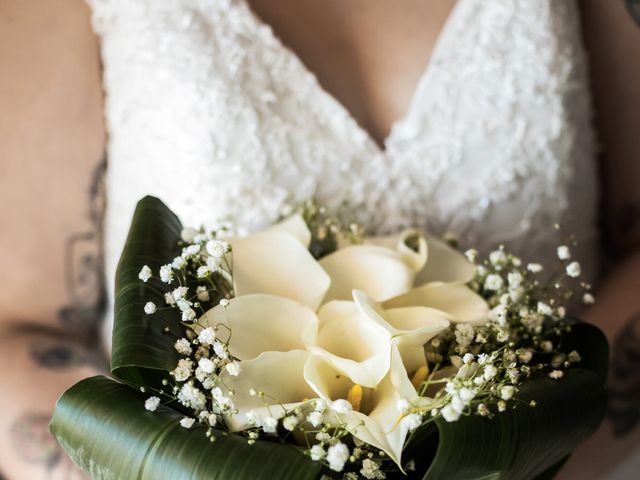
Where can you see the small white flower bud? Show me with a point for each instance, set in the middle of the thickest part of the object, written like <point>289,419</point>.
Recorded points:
<point>183,347</point>
<point>341,406</point>
<point>166,274</point>
<point>315,419</point>
<point>145,274</point>
<point>150,308</point>
<point>574,270</point>
<point>203,272</point>
<point>534,267</point>
<point>493,282</point>
<point>317,453</point>
<point>202,293</point>
<point>269,424</point>
<point>152,403</point>
<point>497,258</point>
<point>178,263</point>
<point>450,414</point>
<point>556,374</point>
<point>544,309</point>
<point>233,368</point>
<point>564,253</point>
<point>289,423</point>
<point>206,365</point>
<point>506,392</point>
<point>187,422</point>
<point>412,421</point>
<point>337,456</point>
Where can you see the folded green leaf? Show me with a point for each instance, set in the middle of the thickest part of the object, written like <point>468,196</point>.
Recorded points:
<point>524,442</point>
<point>143,350</point>
<point>103,426</point>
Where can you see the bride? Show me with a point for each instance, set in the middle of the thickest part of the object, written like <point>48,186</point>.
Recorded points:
<point>467,117</point>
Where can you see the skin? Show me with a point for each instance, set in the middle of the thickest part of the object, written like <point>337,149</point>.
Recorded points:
<point>51,128</point>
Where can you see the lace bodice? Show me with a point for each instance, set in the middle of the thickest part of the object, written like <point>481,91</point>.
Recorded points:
<point>209,111</point>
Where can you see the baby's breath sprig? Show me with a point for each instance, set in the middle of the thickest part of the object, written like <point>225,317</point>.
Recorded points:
<point>527,320</point>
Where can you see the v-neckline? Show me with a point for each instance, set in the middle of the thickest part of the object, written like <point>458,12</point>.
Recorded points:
<point>440,42</point>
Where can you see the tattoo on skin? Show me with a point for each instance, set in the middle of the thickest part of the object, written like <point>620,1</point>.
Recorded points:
<point>61,354</point>
<point>624,382</point>
<point>33,443</point>
<point>85,268</point>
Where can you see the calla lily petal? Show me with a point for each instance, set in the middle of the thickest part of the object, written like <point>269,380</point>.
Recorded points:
<point>395,387</point>
<point>445,264</point>
<point>416,326</point>
<point>414,255</point>
<point>262,323</point>
<point>379,420</point>
<point>296,226</point>
<point>280,375</point>
<point>279,264</point>
<point>410,244</point>
<point>352,343</point>
<point>457,300</point>
<point>380,272</point>
<point>330,384</point>
<point>410,327</point>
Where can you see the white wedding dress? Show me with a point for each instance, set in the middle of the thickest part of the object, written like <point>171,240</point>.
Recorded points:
<point>209,111</point>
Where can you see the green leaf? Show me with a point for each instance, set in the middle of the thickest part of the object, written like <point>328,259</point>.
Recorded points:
<point>143,350</point>
<point>103,426</point>
<point>592,345</point>
<point>524,443</point>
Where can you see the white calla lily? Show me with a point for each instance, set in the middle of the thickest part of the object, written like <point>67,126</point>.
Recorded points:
<point>377,418</point>
<point>278,263</point>
<point>352,342</point>
<point>284,390</point>
<point>410,244</point>
<point>410,328</point>
<point>441,262</point>
<point>296,226</point>
<point>442,281</point>
<point>260,323</point>
<point>458,301</point>
<point>380,272</point>
<point>445,264</point>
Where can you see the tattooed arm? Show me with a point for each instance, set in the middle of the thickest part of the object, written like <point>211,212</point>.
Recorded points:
<point>613,40</point>
<point>38,366</point>
<point>51,283</point>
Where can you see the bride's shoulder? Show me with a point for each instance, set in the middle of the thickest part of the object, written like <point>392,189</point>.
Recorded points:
<point>30,24</point>
<point>49,53</point>
<point>50,144</point>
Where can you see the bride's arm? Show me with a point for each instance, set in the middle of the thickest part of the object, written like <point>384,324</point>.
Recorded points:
<point>613,41</point>
<point>51,145</point>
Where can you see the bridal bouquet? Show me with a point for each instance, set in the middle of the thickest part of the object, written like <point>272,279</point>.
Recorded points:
<point>309,350</point>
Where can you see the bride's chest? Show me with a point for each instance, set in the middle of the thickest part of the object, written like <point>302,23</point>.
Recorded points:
<point>368,54</point>
<point>209,111</point>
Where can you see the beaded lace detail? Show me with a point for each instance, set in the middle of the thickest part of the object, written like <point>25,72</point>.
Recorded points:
<point>209,111</point>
